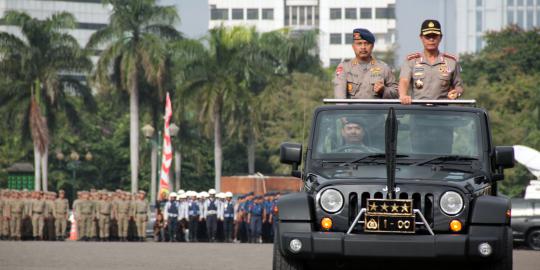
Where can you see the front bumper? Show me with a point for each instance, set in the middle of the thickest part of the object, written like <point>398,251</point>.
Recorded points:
<point>451,246</point>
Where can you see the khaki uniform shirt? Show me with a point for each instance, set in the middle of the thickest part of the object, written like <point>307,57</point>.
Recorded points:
<point>61,208</point>
<point>140,207</point>
<point>431,81</point>
<point>85,207</point>
<point>123,208</point>
<point>38,207</point>
<point>355,79</point>
<point>16,206</point>
<point>49,208</point>
<point>104,208</point>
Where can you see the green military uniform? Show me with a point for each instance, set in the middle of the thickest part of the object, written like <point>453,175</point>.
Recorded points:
<point>85,215</point>
<point>37,212</point>
<point>104,211</point>
<point>16,206</point>
<point>122,216</point>
<point>140,212</point>
<point>355,79</point>
<point>61,210</point>
<point>431,80</point>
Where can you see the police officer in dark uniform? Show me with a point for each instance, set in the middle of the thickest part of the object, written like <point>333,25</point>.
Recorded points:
<point>364,77</point>
<point>255,214</point>
<point>194,216</point>
<point>210,214</point>
<point>228,217</point>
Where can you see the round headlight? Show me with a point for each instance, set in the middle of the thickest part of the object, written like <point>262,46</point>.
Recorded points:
<point>451,203</point>
<point>331,200</point>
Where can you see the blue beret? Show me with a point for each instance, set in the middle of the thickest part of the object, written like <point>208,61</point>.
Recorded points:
<point>362,33</point>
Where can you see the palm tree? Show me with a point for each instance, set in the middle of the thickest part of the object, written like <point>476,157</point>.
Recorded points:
<point>135,41</point>
<point>210,74</point>
<point>41,65</point>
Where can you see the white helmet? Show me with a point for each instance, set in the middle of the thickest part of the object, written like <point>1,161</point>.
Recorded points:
<point>228,194</point>
<point>181,191</point>
<point>220,195</point>
<point>199,195</point>
<point>172,194</point>
<point>182,196</point>
<point>204,194</point>
<point>191,193</point>
<point>212,191</point>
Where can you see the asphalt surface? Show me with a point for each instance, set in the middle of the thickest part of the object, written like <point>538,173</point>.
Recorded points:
<point>162,256</point>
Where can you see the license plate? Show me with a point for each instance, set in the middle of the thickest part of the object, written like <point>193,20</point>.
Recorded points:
<point>389,216</point>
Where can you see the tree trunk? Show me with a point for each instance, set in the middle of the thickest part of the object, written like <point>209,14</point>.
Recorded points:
<point>44,167</point>
<point>177,169</point>
<point>153,175</point>
<point>37,168</point>
<point>134,131</point>
<point>218,151</point>
<point>251,152</point>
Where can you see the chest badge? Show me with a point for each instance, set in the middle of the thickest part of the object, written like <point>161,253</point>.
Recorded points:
<point>419,84</point>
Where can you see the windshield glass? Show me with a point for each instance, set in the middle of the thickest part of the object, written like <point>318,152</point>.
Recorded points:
<point>421,133</point>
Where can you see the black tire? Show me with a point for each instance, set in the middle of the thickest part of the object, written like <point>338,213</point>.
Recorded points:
<point>281,262</point>
<point>533,239</point>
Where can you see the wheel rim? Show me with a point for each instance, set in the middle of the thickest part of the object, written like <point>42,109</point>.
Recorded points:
<point>534,240</point>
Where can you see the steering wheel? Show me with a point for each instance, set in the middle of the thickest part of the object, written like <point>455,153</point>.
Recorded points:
<point>350,148</point>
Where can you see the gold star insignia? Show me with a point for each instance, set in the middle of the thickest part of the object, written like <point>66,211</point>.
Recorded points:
<point>373,207</point>
<point>395,208</point>
<point>405,208</point>
<point>384,207</point>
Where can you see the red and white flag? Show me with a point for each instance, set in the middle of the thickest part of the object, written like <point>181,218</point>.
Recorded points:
<point>166,157</point>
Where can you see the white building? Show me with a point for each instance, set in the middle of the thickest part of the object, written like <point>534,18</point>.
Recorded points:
<point>335,20</point>
<point>91,15</point>
<point>464,22</point>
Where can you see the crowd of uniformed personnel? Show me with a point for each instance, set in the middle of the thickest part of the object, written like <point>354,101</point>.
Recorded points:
<point>217,217</point>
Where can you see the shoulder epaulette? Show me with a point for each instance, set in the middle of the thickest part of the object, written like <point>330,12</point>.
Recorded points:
<point>413,56</point>
<point>453,57</point>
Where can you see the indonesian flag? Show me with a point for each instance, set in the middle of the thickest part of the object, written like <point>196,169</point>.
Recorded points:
<point>166,158</point>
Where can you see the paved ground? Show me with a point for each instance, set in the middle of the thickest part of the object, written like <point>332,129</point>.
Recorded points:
<point>162,256</point>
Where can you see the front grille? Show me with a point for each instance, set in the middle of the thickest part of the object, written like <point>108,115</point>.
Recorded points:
<point>421,201</point>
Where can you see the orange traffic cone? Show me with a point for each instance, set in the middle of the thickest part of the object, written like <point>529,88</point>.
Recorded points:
<point>73,231</point>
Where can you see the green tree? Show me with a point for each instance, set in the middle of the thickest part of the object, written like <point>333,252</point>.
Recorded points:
<point>40,65</point>
<point>136,41</point>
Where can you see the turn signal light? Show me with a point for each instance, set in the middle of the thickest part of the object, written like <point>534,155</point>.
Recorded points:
<point>326,223</point>
<point>455,225</point>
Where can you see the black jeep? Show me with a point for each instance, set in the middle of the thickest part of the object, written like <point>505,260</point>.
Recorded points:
<point>407,185</point>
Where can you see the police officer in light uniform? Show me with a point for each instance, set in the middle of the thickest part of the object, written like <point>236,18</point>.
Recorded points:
<point>123,212</point>
<point>104,211</point>
<point>210,211</point>
<point>183,215</point>
<point>140,213</point>
<point>228,217</point>
<point>37,213</point>
<point>430,74</point>
<point>61,210</point>
<point>17,209</point>
<point>170,215</point>
<point>364,77</point>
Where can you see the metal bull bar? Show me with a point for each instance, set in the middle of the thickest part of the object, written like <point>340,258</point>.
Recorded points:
<point>471,102</point>
<point>416,212</point>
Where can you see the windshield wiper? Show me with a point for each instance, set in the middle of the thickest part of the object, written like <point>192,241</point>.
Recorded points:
<point>444,158</point>
<point>373,157</point>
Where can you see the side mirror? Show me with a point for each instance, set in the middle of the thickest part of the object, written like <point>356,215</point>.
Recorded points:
<point>504,157</point>
<point>291,153</point>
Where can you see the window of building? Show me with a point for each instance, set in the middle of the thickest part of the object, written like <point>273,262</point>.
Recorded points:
<point>510,17</point>
<point>350,13</point>
<point>237,14</point>
<point>302,15</point>
<point>309,16</point>
<point>348,38</point>
<point>520,3</point>
<point>287,16</point>
<point>478,3</point>
<point>521,18</point>
<point>510,3</point>
<point>294,16</point>
<point>219,14</point>
<point>267,13</point>
<point>385,13</point>
<point>252,14</point>
<point>529,19</point>
<point>335,38</point>
<point>316,16</point>
<point>530,3</point>
<point>538,18</point>
<point>334,62</point>
<point>366,13</point>
<point>335,14</point>
<point>478,21</point>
